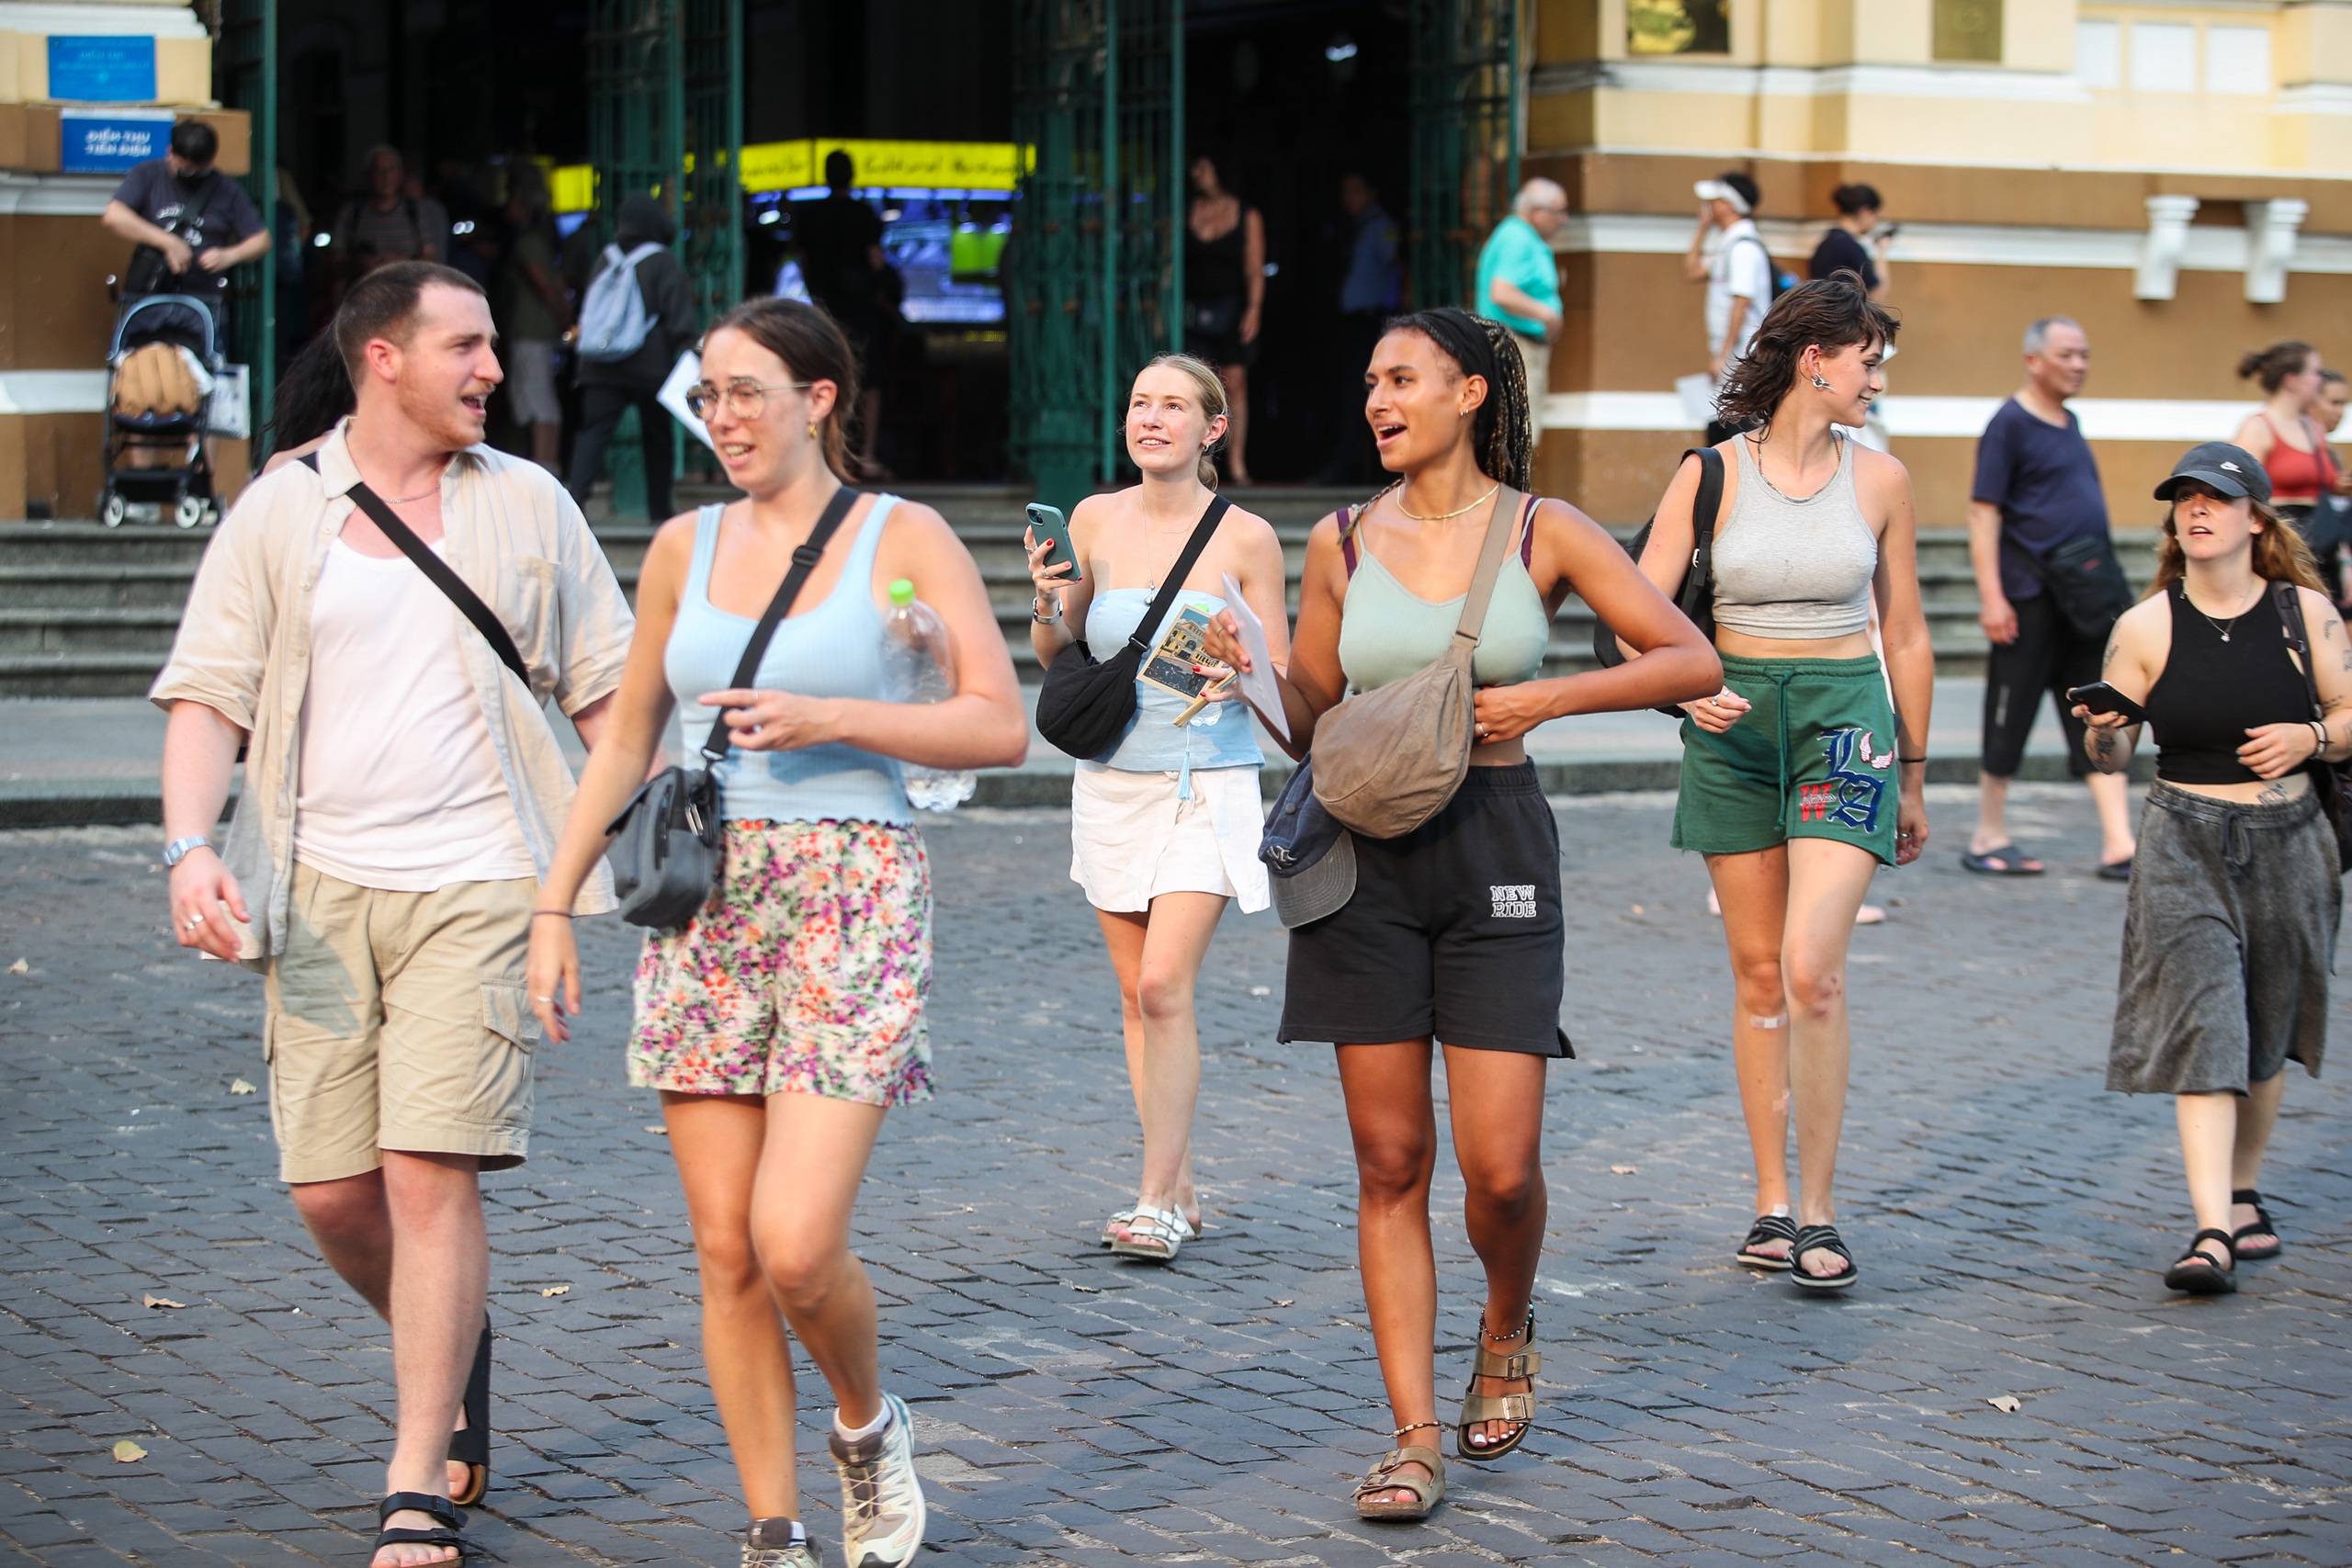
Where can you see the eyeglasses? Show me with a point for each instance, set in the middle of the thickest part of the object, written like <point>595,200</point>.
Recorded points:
<point>744,400</point>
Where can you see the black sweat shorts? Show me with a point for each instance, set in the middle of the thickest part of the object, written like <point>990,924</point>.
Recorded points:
<point>2048,656</point>
<point>1454,931</point>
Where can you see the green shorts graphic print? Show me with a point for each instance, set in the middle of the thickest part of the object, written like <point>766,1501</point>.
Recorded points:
<point>1813,758</point>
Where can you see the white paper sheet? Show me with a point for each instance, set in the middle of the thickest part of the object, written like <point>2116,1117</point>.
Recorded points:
<point>1258,684</point>
<point>673,395</point>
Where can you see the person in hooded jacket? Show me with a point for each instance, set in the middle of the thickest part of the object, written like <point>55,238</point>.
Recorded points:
<point>608,389</point>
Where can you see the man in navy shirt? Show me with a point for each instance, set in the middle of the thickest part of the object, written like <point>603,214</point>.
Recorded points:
<point>2036,488</point>
<point>198,220</point>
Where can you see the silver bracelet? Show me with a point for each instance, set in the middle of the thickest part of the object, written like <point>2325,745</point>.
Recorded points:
<point>1053,620</point>
<point>2319,727</point>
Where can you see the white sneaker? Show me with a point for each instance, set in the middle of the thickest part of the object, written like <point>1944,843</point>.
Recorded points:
<point>802,1553</point>
<point>882,1506</point>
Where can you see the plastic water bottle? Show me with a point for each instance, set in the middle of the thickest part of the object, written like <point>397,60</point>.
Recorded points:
<point>919,666</point>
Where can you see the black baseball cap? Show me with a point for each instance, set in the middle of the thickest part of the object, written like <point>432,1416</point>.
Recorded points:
<point>2232,471</point>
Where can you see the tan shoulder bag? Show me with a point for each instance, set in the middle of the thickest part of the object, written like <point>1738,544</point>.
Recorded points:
<point>1385,761</point>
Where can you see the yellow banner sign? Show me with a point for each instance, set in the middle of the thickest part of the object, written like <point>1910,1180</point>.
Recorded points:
<point>932,165</point>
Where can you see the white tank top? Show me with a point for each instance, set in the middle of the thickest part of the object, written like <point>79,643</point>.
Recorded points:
<point>400,787</point>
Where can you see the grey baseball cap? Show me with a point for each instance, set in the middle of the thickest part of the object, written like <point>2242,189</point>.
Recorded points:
<point>2232,471</point>
<point>1311,858</point>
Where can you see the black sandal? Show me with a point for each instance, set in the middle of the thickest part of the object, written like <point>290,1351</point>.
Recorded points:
<point>2197,1273</point>
<point>2261,1227</point>
<point>1766,1229</point>
<point>446,1524</point>
<point>470,1447</point>
<point>1821,1238</point>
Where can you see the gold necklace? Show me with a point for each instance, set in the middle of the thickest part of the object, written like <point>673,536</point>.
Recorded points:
<point>1442,516</point>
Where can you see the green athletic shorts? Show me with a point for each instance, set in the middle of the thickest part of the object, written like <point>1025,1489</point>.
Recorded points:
<point>1814,759</point>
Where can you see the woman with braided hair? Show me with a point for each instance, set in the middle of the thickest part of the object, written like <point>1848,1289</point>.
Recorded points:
<point>1806,772</point>
<point>1453,935</point>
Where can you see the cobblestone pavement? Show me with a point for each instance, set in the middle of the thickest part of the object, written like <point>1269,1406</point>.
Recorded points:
<point>2010,1218</point>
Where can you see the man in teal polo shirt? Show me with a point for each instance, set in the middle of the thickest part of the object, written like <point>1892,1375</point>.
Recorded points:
<point>1518,285</point>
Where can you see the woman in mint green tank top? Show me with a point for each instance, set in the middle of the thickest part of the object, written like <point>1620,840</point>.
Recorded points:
<point>786,1017</point>
<point>1164,827</point>
<point>1454,935</point>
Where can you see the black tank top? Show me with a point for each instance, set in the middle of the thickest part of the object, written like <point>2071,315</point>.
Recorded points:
<point>2214,689</point>
<point>1216,269</point>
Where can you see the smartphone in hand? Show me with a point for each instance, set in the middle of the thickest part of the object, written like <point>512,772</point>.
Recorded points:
<point>1047,525</point>
<point>2100,698</point>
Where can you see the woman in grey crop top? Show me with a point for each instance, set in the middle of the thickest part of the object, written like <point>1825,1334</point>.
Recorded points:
<point>1805,773</point>
<point>786,1017</point>
<point>1453,933</point>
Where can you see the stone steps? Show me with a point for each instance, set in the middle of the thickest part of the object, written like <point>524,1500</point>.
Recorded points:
<point>90,611</point>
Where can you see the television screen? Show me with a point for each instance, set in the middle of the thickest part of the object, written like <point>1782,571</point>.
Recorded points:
<point>947,245</point>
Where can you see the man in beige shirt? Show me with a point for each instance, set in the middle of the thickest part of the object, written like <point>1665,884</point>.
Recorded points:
<point>402,794</point>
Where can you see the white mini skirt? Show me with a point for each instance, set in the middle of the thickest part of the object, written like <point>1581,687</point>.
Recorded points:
<point>1132,838</point>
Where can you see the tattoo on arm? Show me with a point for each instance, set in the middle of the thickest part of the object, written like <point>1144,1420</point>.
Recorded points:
<point>2107,660</point>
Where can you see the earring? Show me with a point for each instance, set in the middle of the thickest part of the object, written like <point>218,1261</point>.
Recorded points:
<point>812,430</point>
<point>1820,383</point>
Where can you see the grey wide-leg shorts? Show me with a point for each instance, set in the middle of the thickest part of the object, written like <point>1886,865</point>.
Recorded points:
<point>2228,942</point>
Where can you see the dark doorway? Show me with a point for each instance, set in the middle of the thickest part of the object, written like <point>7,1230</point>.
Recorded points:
<point>1286,99</point>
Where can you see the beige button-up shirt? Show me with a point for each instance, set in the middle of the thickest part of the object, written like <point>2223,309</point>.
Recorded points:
<point>243,646</point>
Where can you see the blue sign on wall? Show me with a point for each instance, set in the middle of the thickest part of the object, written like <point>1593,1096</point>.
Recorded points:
<point>108,141</point>
<point>107,70</point>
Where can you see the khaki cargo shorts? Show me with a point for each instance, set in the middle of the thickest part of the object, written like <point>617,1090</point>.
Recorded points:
<point>397,1020</point>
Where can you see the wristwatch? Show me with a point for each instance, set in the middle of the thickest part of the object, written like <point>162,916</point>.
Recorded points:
<point>179,849</point>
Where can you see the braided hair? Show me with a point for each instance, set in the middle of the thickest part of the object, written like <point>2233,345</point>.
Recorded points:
<point>1503,433</point>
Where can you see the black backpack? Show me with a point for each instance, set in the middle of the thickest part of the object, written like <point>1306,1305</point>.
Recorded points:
<point>1696,598</point>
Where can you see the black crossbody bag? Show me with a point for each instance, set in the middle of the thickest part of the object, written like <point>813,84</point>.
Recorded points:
<point>1696,598</point>
<point>2085,580</point>
<point>1084,705</point>
<point>2327,778</point>
<point>664,848</point>
<point>437,571</point>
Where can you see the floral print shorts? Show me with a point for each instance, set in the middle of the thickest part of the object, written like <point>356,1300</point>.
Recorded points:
<point>805,974</point>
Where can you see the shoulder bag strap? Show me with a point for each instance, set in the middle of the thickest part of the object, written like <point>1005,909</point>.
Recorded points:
<point>804,561</point>
<point>1347,520</point>
<point>438,573</point>
<point>1709,504</point>
<point>2290,617</point>
<point>1174,584</point>
<point>1490,566</point>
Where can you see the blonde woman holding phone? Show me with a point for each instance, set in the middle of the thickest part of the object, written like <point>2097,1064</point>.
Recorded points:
<point>1164,825</point>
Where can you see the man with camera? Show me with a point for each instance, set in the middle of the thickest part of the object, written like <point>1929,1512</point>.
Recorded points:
<point>190,221</point>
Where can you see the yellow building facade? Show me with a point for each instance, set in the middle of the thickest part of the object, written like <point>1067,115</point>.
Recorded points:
<point>2176,174</point>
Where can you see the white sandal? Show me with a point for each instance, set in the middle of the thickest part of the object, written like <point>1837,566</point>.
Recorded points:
<point>1155,1234</point>
<point>1117,1223</point>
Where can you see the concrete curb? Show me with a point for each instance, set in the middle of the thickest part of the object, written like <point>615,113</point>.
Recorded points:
<point>128,803</point>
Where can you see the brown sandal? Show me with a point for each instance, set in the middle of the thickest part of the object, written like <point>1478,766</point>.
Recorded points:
<point>1428,1492</point>
<point>1521,1365</point>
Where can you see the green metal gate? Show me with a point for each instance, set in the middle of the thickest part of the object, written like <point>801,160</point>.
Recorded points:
<point>1094,267</point>
<point>1466,107</point>
<point>245,62</point>
<point>665,117</point>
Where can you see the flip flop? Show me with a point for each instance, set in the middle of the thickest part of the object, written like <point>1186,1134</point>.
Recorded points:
<point>2002,860</point>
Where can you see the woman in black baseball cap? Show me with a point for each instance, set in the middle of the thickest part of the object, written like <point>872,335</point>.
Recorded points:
<point>2236,889</point>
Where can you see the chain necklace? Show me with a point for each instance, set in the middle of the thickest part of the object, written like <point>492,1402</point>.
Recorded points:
<point>1442,516</point>
<point>420,495</point>
<point>2221,626</point>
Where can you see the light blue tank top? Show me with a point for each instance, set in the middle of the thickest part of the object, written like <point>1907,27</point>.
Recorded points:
<point>830,649</point>
<point>1219,735</point>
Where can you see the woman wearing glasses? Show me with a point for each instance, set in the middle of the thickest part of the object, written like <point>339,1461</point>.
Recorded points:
<point>786,1017</point>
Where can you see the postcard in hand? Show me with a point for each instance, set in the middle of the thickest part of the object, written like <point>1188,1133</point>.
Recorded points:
<point>1171,665</point>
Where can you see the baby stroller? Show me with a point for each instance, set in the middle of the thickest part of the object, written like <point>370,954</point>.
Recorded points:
<point>162,368</point>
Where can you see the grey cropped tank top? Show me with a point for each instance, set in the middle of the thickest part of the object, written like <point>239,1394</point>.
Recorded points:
<point>1794,570</point>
